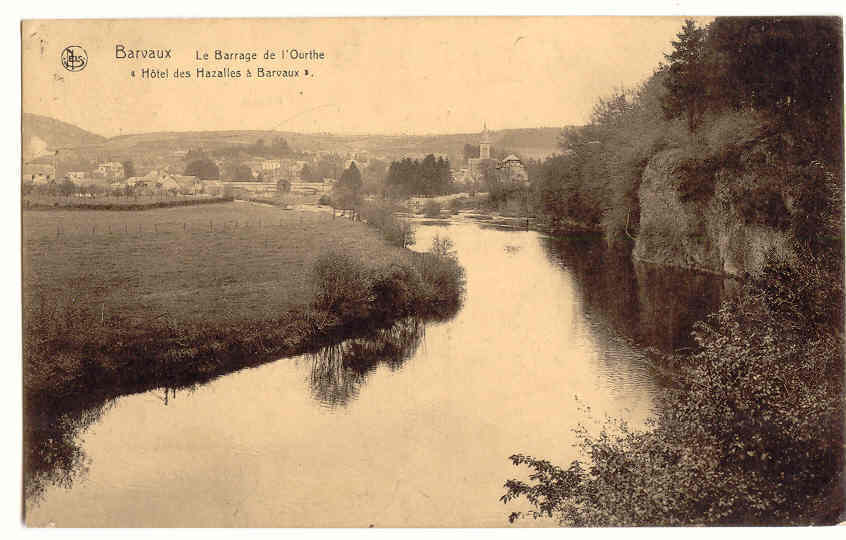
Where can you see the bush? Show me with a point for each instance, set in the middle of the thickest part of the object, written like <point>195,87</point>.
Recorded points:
<point>456,204</point>
<point>443,277</point>
<point>324,200</point>
<point>396,230</point>
<point>433,285</point>
<point>396,291</point>
<point>432,208</point>
<point>342,285</point>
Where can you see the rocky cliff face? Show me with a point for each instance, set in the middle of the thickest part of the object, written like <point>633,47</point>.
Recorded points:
<point>707,234</point>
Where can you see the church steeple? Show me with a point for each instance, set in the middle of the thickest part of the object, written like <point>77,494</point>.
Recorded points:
<point>485,143</point>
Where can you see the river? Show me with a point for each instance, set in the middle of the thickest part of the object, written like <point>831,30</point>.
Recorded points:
<point>412,427</point>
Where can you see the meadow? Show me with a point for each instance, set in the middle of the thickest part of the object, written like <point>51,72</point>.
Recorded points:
<point>120,302</point>
<point>232,261</point>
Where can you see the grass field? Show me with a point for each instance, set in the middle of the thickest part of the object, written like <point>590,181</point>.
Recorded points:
<point>224,262</point>
<point>119,302</point>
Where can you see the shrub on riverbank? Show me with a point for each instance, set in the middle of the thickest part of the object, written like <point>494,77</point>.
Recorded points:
<point>432,208</point>
<point>432,284</point>
<point>395,230</point>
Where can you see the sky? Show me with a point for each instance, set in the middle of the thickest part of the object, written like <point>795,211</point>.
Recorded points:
<point>380,76</point>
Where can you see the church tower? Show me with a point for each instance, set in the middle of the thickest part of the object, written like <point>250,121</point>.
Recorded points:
<point>485,144</point>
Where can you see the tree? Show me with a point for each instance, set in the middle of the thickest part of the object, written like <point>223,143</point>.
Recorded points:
<point>789,67</point>
<point>128,169</point>
<point>306,174</point>
<point>688,79</point>
<point>428,177</point>
<point>351,179</point>
<point>283,186</point>
<point>374,176</point>
<point>67,188</point>
<point>347,192</point>
<point>204,169</point>
<point>239,172</point>
<point>280,147</point>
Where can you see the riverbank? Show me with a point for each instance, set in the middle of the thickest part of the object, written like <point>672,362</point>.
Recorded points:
<point>110,314</point>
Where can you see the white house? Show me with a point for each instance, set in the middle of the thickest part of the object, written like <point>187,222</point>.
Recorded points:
<point>111,169</point>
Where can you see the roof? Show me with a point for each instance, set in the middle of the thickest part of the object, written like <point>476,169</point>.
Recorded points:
<point>185,180</point>
<point>511,157</point>
<point>169,183</point>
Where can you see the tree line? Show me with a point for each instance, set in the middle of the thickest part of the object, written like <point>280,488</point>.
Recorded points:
<point>759,94</point>
<point>427,177</point>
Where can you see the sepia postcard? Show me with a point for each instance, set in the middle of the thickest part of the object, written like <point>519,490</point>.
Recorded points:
<point>433,272</point>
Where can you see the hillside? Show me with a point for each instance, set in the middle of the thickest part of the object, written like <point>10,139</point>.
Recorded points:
<point>533,142</point>
<point>42,134</point>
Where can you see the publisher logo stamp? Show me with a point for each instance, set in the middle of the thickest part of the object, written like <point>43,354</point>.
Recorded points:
<point>74,58</point>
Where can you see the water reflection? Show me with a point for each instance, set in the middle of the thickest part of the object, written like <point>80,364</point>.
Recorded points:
<point>652,305</point>
<point>53,439</point>
<point>53,442</point>
<point>53,453</point>
<point>339,371</point>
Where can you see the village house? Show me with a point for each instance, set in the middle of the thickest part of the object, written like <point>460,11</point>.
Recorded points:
<point>212,187</point>
<point>256,167</point>
<point>77,177</point>
<point>38,173</point>
<point>291,169</point>
<point>512,170</point>
<point>111,170</point>
<point>160,181</point>
<point>188,185</point>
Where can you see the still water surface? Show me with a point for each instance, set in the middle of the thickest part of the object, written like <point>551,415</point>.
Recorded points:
<point>410,428</point>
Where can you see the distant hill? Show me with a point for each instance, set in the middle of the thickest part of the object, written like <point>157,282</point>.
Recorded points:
<point>529,142</point>
<point>41,135</point>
